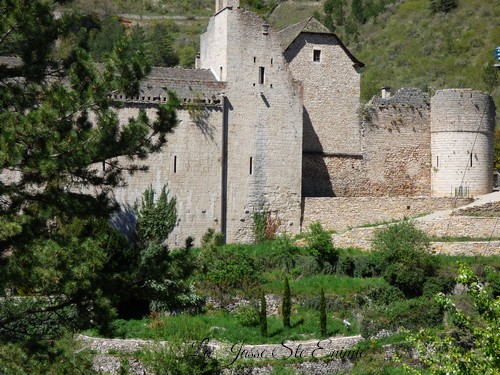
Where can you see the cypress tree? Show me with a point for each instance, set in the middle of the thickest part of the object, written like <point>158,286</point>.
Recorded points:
<point>322,313</point>
<point>287,304</point>
<point>263,315</point>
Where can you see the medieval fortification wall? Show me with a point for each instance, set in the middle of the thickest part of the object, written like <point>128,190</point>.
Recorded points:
<point>462,127</point>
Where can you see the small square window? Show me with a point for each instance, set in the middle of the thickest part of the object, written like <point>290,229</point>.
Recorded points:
<point>317,55</point>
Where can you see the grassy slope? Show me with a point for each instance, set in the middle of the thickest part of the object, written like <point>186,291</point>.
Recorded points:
<point>414,48</point>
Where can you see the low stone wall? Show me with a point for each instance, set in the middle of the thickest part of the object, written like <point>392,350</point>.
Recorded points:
<point>472,227</point>
<point>466,248</point>
<point>461,226</point>
<point>341,213</point>
<point>335,349</point>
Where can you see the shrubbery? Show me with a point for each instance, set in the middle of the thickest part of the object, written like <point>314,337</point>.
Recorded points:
<point>411,314</point>
<point>225,269</point>
<point>320,245</point>
<point>401,254</point>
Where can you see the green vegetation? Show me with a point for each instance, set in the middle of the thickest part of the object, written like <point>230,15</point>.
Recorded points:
<point>263,315</point>
<point>57,245</point>
<point>401,252</point>
<point>322,313</point>
<point>471,344</point>
<point>286,306</point>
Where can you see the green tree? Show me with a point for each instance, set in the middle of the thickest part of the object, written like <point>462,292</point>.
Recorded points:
<point>358,11</point>
<point>401,252</point>
<point>320,244</point>
<point>160,48</point>
<point>286,306</point>
<point>61,147</point>
<point>104,39</point>
<point>449,353</point>
<point>322,313</point>
<point>263,315</point>
<point>444,6</point>
<point>155,219</point>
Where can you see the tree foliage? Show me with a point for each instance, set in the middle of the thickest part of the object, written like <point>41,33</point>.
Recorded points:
<point>402,255</point>
<point>155,219</point>
<point>448,353</point>
<point>322,313</point>
<point>444,6</point>
<point>263,314</point>
<point>286,307</point>
<point>62,149</point>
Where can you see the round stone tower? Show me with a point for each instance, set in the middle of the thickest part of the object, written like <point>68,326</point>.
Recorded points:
<point>462,130</point>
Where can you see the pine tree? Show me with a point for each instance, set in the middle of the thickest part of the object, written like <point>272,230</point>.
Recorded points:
<point>357,11</point>
<point>263,315</point>
<point>58,129</point>
<point>287,305</point>
<point>322,313</point>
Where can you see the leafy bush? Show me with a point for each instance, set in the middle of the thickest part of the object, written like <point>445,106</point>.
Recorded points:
<point>402,252</point>
<point>471,344</point>
<point>437,284</point>
<point>247,316</point>
<point>411,314</point>
<point>382,295</point>
<point>285,252</point>
<point>155,218</point>
<point>182,358</point>
<point>320,244</point>
<point>226,269</point>
<point>346,266</point>
<point>366,266</point>
<point>308,265</point>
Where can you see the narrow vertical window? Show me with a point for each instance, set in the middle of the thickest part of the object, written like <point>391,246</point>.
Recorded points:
<point>103,166</point>
<point>470,160</point>
<point>254,59</point>
<point>175,164</point>
<point>261,75</point>
<point>221,73</point>
<point>437,161</point>
<point>251,165</point>
<point>317,55</point>
<point>271,62</point>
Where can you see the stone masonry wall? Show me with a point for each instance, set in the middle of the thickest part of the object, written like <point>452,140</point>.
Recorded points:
<point>340,213</point>
<point>396,146</point>
<point>462,126</point>
<point>331,92</point>
<point>190,166</point>
<point>264,134</point>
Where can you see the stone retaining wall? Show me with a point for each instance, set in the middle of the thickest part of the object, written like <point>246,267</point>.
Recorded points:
<point>447,226</point>
<point>334,348</point>
<point>341,213</point>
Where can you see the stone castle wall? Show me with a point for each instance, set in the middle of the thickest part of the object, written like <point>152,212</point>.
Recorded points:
<point>331,93</point>
<point>264,128</point>
<point>192,177</point>
<point>462,126</point>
